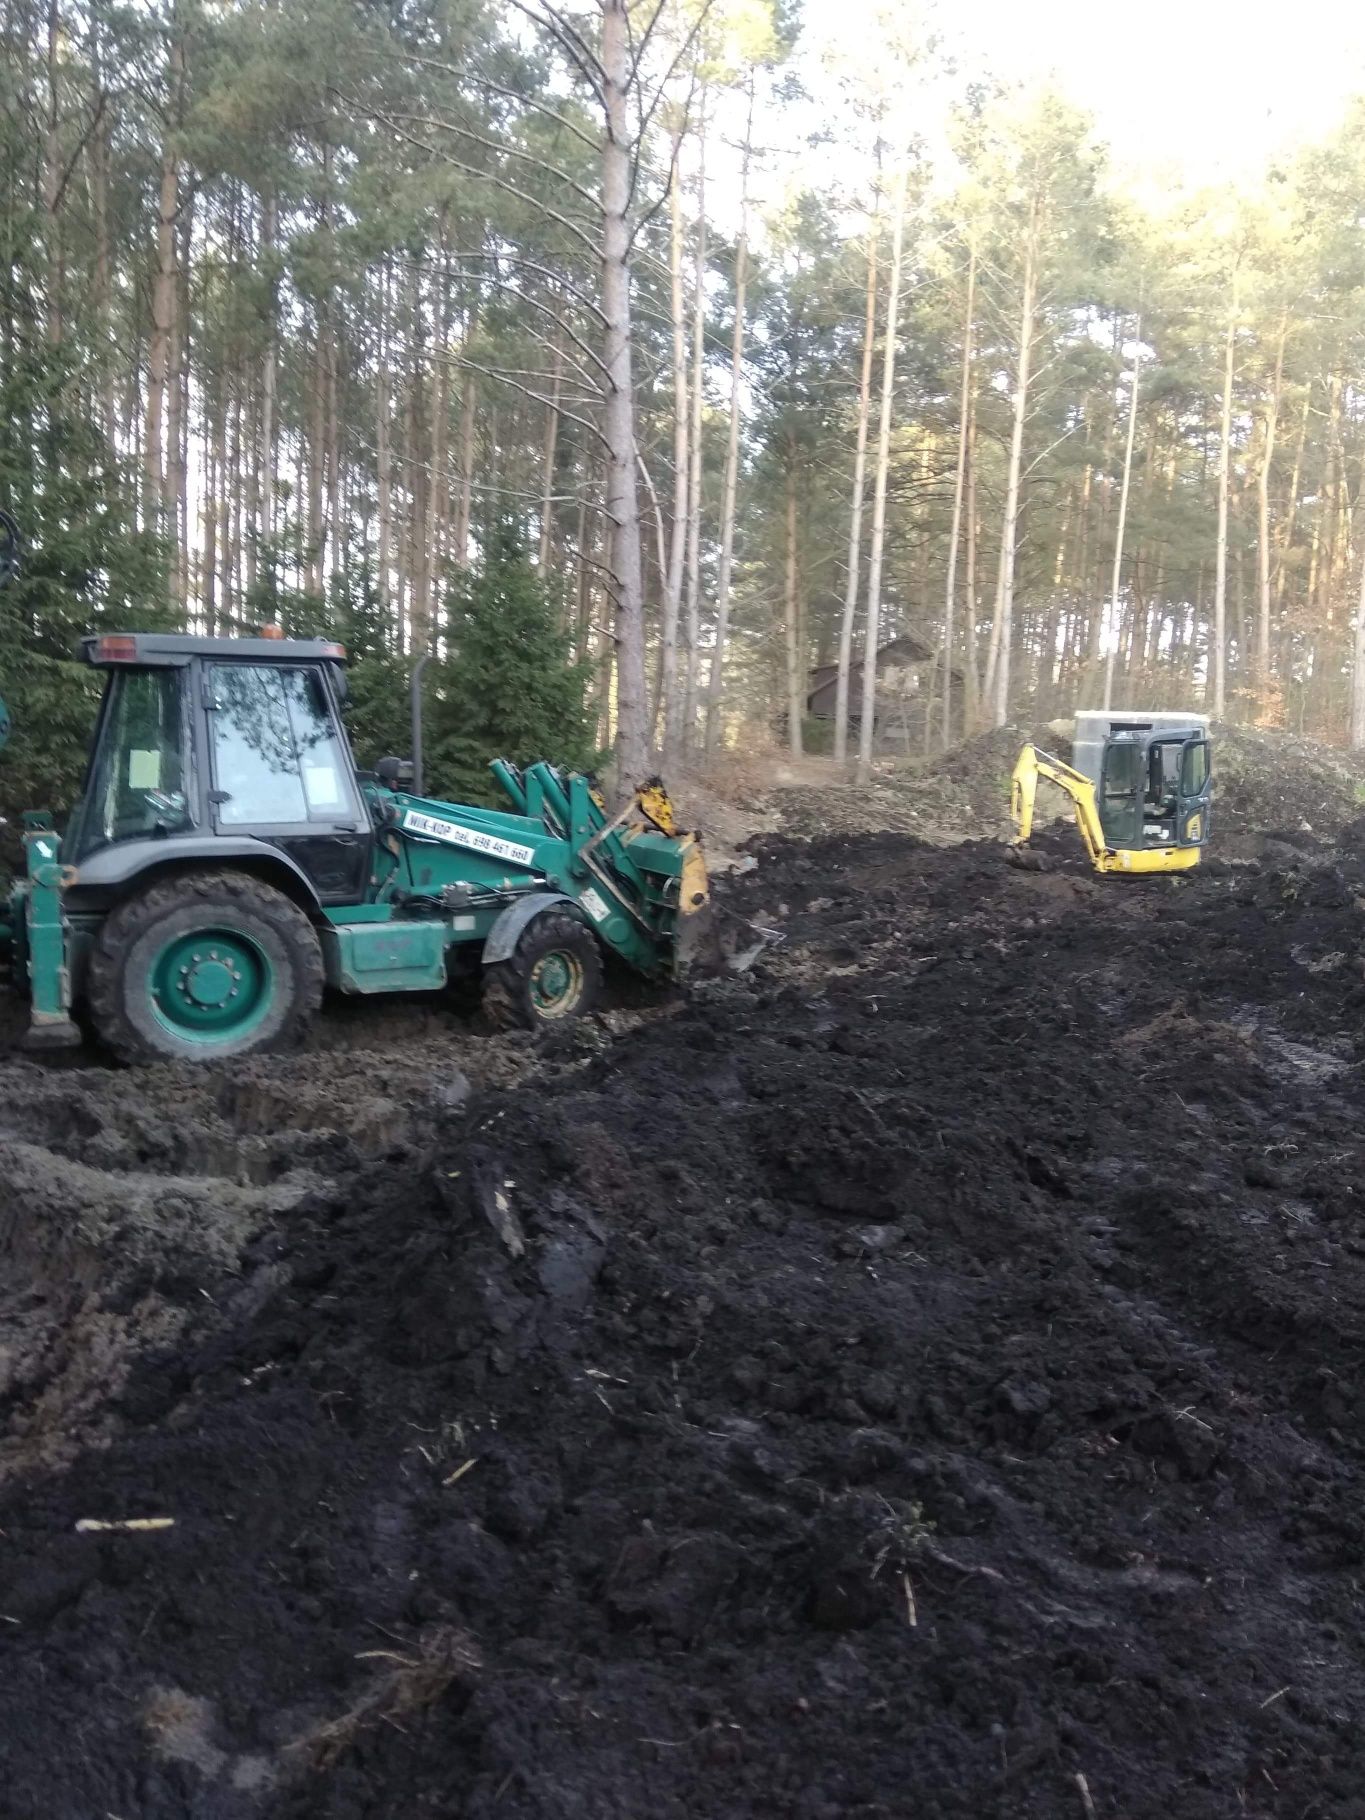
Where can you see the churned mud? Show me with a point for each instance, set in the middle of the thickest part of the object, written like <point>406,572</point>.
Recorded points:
<point>921,1377</point>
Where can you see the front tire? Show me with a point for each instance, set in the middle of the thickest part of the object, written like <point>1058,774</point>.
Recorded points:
<point>553,974</point>
<point>202,966</point>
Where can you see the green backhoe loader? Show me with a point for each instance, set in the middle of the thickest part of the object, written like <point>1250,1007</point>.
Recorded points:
<point>227,861</point>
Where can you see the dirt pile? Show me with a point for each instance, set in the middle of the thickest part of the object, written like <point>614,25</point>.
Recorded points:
<point>1265,782</point>
<point>913,1378</point>
<point>1271,782</point>
<point>958,795</point>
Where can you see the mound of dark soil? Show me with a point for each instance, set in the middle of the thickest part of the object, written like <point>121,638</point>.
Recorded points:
<point>962,794</point>
<point>1273,782</point>
<point>921,1377</point>
<point>1265,783</point>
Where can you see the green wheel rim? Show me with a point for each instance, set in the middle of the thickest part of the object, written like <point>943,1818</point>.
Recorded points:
<point>556,983</point>
<point>211,986</point>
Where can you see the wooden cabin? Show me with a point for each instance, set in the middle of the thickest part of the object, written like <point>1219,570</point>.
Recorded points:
<point>909,686</point>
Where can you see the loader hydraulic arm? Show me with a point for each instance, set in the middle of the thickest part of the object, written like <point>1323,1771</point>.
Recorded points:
<point>1032,765</point>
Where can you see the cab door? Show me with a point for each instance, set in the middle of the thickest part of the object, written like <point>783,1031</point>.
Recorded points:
<point>282,771</point>
<point>1195,792</point>
<point>1122,781</point>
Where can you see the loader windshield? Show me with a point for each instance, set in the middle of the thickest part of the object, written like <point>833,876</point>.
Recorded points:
<point>137,778</point>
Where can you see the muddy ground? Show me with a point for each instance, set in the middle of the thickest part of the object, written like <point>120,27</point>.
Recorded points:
<point>920,1378</point>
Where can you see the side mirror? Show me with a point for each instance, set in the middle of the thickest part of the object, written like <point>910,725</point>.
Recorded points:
<point>394,773</point>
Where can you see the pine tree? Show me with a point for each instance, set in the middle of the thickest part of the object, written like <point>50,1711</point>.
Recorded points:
<point>511,687</point>
<point>84,565</point>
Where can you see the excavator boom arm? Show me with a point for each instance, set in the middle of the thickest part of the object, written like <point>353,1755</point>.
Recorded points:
<point>1033,764</point>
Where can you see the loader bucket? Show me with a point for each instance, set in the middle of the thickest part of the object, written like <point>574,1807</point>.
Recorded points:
<point>709,938</point>
<point>716,940</point>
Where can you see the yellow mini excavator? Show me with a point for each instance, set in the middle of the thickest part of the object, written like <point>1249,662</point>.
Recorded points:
<point>1142,804</point>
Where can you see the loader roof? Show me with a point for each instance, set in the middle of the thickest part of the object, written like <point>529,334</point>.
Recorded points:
<point>176,648</point>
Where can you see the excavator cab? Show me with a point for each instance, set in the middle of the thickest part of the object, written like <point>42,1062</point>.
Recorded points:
<point>1154,788</point>
<point>1139,788</point>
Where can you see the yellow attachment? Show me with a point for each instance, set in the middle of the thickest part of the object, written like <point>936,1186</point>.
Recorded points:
<point>1033,764</point>
<point>694,891</point>
<point>657,806</point>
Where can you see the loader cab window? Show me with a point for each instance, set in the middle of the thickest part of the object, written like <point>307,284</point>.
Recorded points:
<point>278,759</point>
<point>137,783</point>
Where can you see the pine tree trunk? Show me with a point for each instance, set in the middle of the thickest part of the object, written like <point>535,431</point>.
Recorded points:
<point>716,682</point>
<point>332,450</point>
<point>971,704</point>
<point>317,389</point>
<point>217,464</point>
<point>232,515</point>
<point>796,692</point>
<point>1220,585</point>
<point>417,458</point>
<point>383,457</point>
<point>618,417</point>
<point>551,444</point>
<point>51,182</point>
<point>104,262</point>
<point>1073,666</point>
<point>959,486</point>
<point>871,639</point>
<point>175,497</point>
<point>265,450</point>
<point>1263,576</point>
<point>692,602</point>
<point>465,511</point>
<point>163,304</point>
<point>673,697</point>
<point>439,528</point>
<point>855,516</point>
<point>1003,633</point>
<point>1291,507</point>
<point>1117,574</point>
<point>1358,666</point>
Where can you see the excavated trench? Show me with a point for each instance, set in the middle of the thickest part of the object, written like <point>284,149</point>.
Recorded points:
<point>921,1376</point>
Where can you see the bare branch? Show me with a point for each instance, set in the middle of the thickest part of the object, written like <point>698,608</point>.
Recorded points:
<point>475,366</point>
<point>570,41</point>
<point>595,387</point>
<point>668,74</point>
<point>451,470</point>
<point>1056,444</point>
<point>496,88</point>
<point>660,553</point>
<point>84,140</point>
<point>648,33</point>
<point>507,151</point>
<point>561,323</point>
<point>580,297</point>
<point>502,183</point>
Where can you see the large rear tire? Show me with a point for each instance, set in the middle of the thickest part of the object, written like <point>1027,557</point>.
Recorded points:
<point>202,966</point>
<point>553,974</point>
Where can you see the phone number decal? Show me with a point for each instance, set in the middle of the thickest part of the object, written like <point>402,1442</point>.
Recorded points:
<point>456,835</point>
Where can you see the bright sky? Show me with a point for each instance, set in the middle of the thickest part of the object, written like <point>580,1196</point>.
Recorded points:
<point>1197,89</point>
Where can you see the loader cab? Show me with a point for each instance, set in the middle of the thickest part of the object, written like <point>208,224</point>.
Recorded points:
<point>1154,787</point>
<point>202,741</point>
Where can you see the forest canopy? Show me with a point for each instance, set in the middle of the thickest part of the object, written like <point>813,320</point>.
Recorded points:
<point>315,310</point>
